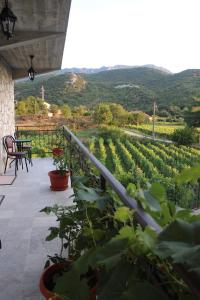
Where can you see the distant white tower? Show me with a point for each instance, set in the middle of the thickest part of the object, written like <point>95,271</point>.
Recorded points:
<point>154,118</point>
<point>42,92</point>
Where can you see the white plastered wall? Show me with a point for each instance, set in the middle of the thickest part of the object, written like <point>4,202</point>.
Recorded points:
<point>7,119</point>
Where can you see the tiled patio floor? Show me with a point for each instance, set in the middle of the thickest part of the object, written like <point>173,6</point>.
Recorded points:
<point>23,230</point>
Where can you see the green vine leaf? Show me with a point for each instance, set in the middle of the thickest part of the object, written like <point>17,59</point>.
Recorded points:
<point>54,232</point>
<point>158,191</point>
<point>188,175</point>
<point>131,190</point>
<point>143,291</point>
<point>75,288</point>
<point>153,204</point>
<point>147,238</point>
<point>123,214</point>
<point>181,242</point>
<point>88,194</point>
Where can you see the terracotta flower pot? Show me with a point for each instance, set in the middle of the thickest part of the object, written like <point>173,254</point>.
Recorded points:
<point>57,151</point>
<point>46,281</point>
<point>58,181</point>
<point>93,293</point>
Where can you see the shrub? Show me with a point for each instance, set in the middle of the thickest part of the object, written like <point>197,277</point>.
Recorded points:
<point>107,132</point>
<point>185,136</point>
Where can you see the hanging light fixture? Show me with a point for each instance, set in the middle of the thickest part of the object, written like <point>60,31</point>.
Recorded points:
<point>31,71</point>
<point>7,20</point>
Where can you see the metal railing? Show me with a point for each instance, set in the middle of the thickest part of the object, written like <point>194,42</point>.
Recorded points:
<point>43,138</point>
<point>106,176</point>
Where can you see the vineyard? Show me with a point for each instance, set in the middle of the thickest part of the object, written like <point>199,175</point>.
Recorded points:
<point>133,161</point>
<point>141,163</point>
<point>42,141</point>
<point>161,130</point>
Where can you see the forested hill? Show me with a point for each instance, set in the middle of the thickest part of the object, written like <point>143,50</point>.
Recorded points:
<point>134,88</point>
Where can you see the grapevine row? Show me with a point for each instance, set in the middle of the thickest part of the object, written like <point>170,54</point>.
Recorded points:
<point>157,161</point>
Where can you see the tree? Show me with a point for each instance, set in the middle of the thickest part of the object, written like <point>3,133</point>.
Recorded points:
<point>21,108</point>
<point>102,114</point>
<point>186,136</point>
<point>164,113</point>
<point>192,116</point>
<point>175,110</point>
<point>41,107</point>
<point>119,114</point>
<point>54,109</point>
<point>80,110</point>
<point>31,106</point>
<point>66,110</point>
<point>138,118</point>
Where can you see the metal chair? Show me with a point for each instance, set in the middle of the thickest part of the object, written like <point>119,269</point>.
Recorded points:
<point>22,145</point>
<point>12,153</point>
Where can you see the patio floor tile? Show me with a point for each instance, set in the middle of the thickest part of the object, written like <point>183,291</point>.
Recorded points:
<point>23,230</point>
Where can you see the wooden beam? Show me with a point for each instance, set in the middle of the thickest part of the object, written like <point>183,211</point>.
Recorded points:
<point>23,38</point>
<point>22,73</point>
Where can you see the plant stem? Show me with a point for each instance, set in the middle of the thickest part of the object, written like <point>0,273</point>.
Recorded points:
<point>90,225</point>
<point>61,250</point>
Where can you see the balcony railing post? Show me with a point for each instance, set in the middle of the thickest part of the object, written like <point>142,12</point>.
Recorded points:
<point>102,183</point>
<point>16,131</point>
<point>70,152</point>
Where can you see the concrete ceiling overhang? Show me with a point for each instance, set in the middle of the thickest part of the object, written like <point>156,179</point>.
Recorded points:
<point>40,31</point>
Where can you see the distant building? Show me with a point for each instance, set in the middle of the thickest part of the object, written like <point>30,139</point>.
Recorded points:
<point>50,114</point>
<point>47,104</point>
<point>141,112</point>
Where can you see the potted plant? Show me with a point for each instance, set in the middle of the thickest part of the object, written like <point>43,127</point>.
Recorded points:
<point>57,151</point>
<point>59,177</point>
<point>76,236</point>
<point>116,257</point>
<point>58,142</point>
<point>66,230</point>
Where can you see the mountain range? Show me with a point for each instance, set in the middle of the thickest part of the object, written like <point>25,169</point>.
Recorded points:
<point>133,87</point>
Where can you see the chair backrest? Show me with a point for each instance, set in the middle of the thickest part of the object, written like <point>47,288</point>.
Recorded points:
<point>9,143</point>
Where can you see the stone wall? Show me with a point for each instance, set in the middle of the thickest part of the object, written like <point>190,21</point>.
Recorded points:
<point>7,121</point>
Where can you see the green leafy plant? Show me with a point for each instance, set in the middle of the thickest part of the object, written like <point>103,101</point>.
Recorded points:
<point>59,140</point>
<point>60,160</point>
<point>180,241</point>
<point>67,230</point>
<point>116,256</point>
<point>154,201</point>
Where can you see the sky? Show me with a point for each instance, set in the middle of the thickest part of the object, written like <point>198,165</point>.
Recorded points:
<point>133,32</point>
